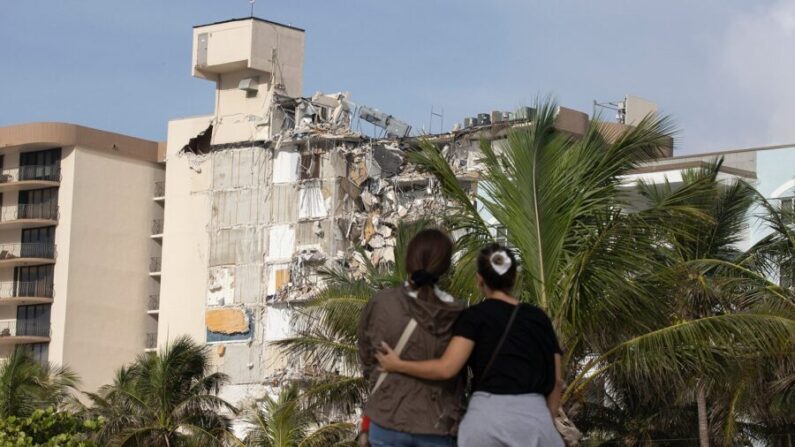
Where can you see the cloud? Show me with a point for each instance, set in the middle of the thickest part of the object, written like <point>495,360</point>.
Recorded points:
<point>757,62</point>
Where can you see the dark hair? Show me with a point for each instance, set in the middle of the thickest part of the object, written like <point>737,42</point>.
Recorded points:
<point>494,280</point>
<point>428,257</point>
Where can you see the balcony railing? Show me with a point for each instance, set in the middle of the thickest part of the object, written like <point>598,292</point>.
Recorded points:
<point>20,328</point>
<point>48,211</point>
<point>157,226</point>
<point>151,340</point>
<point>51,173</point>
<point>44,250</point>
<point>154,302</point>
<point>160,189</point>
<point>155,264</point>
<point>14,289</point>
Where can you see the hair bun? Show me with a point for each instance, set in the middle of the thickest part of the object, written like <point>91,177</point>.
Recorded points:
<point>422,278</point>
<point>500,262</point>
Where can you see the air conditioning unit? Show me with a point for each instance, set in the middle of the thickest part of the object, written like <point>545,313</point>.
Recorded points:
<point>249,85</point>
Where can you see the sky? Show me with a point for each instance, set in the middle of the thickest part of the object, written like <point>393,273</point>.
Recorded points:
<point>721,68</point>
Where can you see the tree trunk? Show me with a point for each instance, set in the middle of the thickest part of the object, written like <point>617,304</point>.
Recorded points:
<point>703,423</point>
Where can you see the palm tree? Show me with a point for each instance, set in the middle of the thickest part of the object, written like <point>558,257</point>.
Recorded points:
<point>765,391</point>
<point>26,385</point>
<point>286,422</point>
<point>168,399</point>
<point>594,265</point>
<point>707,281</point>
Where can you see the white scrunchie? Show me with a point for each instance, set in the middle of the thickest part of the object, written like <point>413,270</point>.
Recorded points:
<point>502,268</point>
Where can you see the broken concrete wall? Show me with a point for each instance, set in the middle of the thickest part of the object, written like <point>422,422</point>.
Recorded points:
<point>285,208</point>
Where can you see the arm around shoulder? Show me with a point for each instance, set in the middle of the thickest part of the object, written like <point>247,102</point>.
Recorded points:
<point>452,361</point>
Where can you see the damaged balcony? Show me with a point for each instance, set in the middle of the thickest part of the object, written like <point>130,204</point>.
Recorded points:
<point>150,343</point>
<point>160,192</point>
<point>27,292</point>
<point>153,305</point>
<point>157,229</point>
<point>155,265</point>
<point>13,332</point>
<point>28,216</point>
<point>30,177</point>
<point>27,253</point>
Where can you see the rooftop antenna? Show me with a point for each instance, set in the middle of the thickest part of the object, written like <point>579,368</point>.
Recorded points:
<point>620,107</point>
<point>251,2</point>
<point>440,116</point>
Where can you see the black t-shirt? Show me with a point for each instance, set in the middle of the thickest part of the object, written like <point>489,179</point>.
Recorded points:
<point>525,363</point>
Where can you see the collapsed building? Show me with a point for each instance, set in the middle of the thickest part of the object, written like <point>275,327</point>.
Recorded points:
<point>273,186</point>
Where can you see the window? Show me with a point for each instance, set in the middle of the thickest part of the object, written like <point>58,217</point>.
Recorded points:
<point>38,242</point>
<point>40,352</point>
<point>33,281</point>
<point>501,235</point>
<point>38,204</point>
<point>787,205</point>
<point>33,320</point>
<point>4,177</point>
<point>310,166</point>
<point>40,165</point>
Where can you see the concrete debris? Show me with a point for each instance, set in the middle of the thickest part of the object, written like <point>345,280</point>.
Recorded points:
<point>311,254</point>
<point>318,229</point>
<point>384,231</point>
<point>369,200</point>
<point>377,241</point>
<point>387,159</point>
<point>308,191</point>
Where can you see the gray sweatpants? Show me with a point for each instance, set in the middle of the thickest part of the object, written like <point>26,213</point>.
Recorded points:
<point>495,420</point>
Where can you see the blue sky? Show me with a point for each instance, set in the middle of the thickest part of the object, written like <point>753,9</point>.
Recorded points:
<point>722,68</point>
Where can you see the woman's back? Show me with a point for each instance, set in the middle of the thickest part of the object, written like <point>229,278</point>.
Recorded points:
<point>525,362</point>
<point>405,403</point>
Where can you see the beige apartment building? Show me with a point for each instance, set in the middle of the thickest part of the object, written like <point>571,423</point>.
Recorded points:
<point>75,245</point>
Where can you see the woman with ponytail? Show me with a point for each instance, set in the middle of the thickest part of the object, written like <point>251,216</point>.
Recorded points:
<point>515,360</point>
<point>417,319</point>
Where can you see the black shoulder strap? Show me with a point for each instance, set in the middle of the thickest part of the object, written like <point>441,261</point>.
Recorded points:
<point>501,342</point>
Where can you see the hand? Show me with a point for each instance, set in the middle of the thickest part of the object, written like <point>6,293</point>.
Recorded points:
<point>387,358</point>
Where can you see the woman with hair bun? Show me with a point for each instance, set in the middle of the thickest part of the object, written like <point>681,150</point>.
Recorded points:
<point>417,318</point>
<point>514,356</point>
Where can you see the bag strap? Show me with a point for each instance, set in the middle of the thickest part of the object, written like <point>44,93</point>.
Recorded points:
<point>401,344</point>
<point>500,343</point>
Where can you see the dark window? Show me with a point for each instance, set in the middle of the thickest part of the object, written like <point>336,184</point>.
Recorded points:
<point>40,352</point>
<point>38,204</point>
<point>33,281</point>
<point>787,209</point>
<point>4,176</point>
<point>310,166</point>
<point>40,165</point>
<point>38,242</point>
<point>33,320</point>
